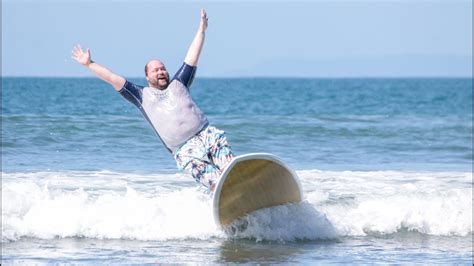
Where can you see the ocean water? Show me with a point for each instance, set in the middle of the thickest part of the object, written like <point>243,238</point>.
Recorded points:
<point>385,164</point>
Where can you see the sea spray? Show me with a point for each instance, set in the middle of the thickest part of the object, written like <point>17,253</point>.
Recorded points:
<point>117,205</point>
<point>290,222</point>
<point>48,213</point>
<point>385,202</point>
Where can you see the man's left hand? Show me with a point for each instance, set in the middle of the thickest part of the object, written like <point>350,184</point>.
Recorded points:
<point>203,25</point>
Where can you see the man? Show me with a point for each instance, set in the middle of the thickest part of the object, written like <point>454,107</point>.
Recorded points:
<point>199,149</point>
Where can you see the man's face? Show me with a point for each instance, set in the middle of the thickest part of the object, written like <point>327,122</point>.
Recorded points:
<point>157,75</point>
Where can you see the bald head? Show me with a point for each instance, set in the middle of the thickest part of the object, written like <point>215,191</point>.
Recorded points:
<point>153,61</point>
<point>156,74</point>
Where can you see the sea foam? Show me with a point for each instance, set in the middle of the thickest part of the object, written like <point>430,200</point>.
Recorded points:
<point>108,205</point>
<point>385,202</point>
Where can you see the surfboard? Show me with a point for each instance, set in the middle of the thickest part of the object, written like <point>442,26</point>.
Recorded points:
<point>251,182</point>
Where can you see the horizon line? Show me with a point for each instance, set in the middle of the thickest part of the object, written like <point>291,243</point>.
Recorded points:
<point>273,77</point>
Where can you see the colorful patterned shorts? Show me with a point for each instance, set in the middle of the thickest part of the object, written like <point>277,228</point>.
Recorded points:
<point>205,156</point>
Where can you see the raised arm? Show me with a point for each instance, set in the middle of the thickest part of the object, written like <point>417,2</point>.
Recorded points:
<point>84,58</point>
<point>192,57</point>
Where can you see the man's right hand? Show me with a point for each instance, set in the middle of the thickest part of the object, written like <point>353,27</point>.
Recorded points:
<point>83,58</point>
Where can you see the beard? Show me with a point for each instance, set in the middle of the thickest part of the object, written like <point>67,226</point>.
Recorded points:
<point>160,83</point>
<point>163,83</point>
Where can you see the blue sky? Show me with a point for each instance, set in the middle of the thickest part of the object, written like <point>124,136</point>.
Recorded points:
<point>262,38</point>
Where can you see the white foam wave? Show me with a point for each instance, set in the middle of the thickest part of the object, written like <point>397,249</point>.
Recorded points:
<point>29,210</point>
<point>284,223</point>
<point>160,207</point>
<point>385,202</point>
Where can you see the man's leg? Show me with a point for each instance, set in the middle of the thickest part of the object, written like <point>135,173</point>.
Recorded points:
<point>205,156</point>
<point>193,159</point>
<point>220,152</point>
<point>203,172</point>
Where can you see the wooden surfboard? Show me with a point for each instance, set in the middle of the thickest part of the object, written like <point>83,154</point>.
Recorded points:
<point>251,182</point>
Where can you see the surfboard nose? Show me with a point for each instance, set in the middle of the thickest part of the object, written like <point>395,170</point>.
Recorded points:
<point>252,182</point>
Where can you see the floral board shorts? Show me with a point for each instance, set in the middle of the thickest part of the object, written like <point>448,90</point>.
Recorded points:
<point>205,156</point>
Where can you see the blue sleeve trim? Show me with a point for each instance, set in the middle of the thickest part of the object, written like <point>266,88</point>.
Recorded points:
<point>132,92</point>
<point>185,74</point>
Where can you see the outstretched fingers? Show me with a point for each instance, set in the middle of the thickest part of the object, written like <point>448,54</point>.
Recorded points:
<point>81,56</point>
<point>204,18</point>
<point>76,51</point>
